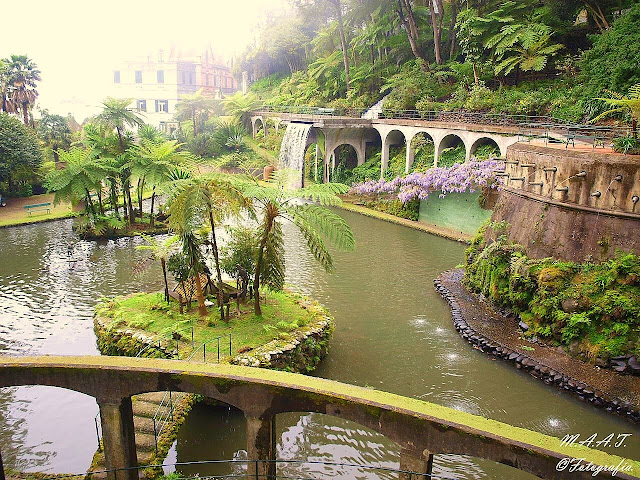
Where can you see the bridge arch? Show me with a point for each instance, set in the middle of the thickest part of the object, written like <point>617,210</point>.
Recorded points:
<point>415,140</point>
<point>261,394</point>
<point>257,124</point>
<point>450,140</point>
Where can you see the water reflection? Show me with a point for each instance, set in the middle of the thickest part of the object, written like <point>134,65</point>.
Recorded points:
<point>393,333</point>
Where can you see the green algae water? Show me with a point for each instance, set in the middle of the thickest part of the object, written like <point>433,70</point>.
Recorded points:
<point>393,333</point>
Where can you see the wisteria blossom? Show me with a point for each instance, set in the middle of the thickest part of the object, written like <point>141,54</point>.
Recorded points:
<point>465,177</point>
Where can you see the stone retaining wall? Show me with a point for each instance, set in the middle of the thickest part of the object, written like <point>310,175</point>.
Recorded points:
<point>532,366</point>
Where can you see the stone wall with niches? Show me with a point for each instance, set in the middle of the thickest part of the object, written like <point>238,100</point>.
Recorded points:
<point>571,205</point>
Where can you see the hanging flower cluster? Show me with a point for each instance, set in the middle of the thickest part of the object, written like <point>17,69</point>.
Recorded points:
<point>465,177</point>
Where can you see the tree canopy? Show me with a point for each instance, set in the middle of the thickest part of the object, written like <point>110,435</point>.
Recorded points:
<point>20,153</point>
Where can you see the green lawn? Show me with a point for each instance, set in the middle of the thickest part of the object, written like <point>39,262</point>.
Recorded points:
<point>150,313</point>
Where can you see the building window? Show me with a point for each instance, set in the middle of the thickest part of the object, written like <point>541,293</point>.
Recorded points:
<point>138,76</point>
<point>162,106</point>
<point>190,78</point>
<point>116,76</point>
<point>182,78</point>
<point>141,105</point>
<point>160,76</point>
<point>208,79</point>
<point>215,80</point>
<point>160,56</point>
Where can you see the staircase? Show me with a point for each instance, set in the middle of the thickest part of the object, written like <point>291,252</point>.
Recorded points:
<point>146,408</point>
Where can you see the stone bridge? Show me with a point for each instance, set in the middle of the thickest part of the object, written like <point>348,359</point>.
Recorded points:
<point>358,132</point>
<point>421,429</point>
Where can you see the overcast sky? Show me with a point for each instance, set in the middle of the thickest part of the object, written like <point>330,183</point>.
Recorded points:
<point>77,43</point>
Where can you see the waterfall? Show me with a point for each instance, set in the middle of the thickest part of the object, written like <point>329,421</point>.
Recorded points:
<point>292,150</point>
<point>374,112</point>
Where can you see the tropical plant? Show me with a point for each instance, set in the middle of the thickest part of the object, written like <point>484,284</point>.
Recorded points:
<point>192,106</point>
<point>313,220</point>
<point>622,104</point>
<point>83,174</point>
<point>152,163</point>
<point>117,115</point>
<point>160,250</point>
<point>240,106</point>
<point>206,199</point>
<point>21,77</point>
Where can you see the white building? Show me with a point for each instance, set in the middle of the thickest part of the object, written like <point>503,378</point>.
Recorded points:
<point>157,82</point>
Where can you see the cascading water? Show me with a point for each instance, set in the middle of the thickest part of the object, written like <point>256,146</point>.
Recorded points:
<point>374,112</point>
<point>292,150</point>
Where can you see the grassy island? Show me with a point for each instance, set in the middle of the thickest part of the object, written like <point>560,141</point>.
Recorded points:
<point>144,324</point>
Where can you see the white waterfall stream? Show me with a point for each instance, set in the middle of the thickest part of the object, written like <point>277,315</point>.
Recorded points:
<point>292,150</point>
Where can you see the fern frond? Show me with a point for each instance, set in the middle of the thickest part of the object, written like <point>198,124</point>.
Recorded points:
<point>327,223</point>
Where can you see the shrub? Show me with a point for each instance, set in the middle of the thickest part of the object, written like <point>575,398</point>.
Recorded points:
<point>627,145</point>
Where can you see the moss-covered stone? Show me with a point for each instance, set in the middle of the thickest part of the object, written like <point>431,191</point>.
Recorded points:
<point>594,308</point>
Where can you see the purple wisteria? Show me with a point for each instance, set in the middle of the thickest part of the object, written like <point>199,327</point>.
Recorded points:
<point>458,178</point>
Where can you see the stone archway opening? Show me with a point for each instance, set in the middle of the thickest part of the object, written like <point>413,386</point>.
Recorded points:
<point>344,161</point>
<point>451,150</point>
<point>396,152</point>
<point>485,148</point>
<point>259,130</point>
<point>421,156</point>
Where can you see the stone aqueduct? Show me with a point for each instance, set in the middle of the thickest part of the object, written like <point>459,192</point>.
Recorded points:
<point>358,132</point>
<point>419,428</point>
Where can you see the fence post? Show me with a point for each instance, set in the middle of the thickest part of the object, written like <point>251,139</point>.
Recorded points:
<point>155,435</point>
<point>229,344</point>
<point>218,349</point>
<point>192,344</point>
<point>170,405</point>
<point>204,353</point>
<point>178,348</point>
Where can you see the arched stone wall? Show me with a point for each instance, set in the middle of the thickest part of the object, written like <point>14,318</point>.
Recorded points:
<point>416,426</point>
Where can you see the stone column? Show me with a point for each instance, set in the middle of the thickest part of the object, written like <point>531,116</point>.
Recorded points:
<point>412,461</point>
<point>385,156</point>
<point>118,438</point>
<point>315,177</point>
<point>410,158</point>
<point>261,446</point>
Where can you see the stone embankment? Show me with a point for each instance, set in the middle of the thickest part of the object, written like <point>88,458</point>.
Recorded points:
<point>500,337</point>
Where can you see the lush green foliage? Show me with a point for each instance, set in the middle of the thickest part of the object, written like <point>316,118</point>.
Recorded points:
<point>592,308</point>
<point>612,63</point>
<point>20,154</point>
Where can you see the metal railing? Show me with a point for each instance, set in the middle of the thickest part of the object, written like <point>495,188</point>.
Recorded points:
<point>204,348</point>
<point>532,123</point>
<point>243,464</point>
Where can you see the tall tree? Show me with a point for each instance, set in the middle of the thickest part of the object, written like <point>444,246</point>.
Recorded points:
<point>206,199</point>
<point>20,153</point>
<point>22,76</point>
<point>313,220</point>
<point>408,21</point>
<point>343,40</point>
<point>117,114</point>
<point>55,132</point>
<point>191,106</point>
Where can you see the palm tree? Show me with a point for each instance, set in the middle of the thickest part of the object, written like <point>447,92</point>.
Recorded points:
<point>160,251</point>
<point>55,131</point>
<point>152,164</point>
<point>105,146</point>
<point>117,114</point>
<point>208,198</point>
<point>240,106</point>
<point>313,220</point>
<point>190,106</point>
<point>21,77</point>
<point>630,103</point>
<point>82,175</point>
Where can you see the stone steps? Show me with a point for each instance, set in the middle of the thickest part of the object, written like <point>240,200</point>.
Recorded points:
<point>145,407</point>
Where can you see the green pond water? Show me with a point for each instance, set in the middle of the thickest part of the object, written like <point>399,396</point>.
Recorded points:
<point>393,333</point>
